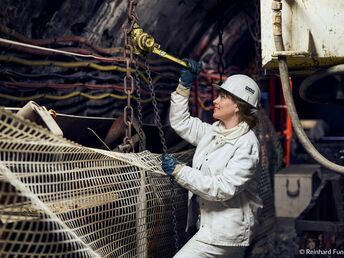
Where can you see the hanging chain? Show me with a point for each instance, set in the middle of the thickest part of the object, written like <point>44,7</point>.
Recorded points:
<point>220,46</point>
<point>157,122</point>
<point>174,214</point>
<point>129,83</point>
<point>139,107</point>
<point>128,110</point>
<point>157,119</point>
<point>257,41</point>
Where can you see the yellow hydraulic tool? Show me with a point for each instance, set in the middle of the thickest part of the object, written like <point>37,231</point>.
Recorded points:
<point>143,43</point>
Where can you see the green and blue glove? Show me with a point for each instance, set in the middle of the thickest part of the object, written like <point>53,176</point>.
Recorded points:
<point>188,75</point>
<point>168,163</point>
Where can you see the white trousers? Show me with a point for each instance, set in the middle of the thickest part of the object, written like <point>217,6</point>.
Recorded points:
<point>196,249</point>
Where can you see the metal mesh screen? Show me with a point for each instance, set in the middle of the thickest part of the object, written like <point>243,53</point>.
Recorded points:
<point>60,199</point>
<point>271,156</point>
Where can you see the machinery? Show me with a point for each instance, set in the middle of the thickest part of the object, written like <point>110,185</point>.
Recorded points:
<point>60,197</point>
<point>144,43</point>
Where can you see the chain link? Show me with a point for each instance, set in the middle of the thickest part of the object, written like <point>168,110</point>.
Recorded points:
<point>157,119</point>
<point>220,46</point>
<point>157,122</point>
<point>257,41</point>
<point>139,107</point>
<point>174,214</point>
<point>129,83</point>
<point>128,110</point>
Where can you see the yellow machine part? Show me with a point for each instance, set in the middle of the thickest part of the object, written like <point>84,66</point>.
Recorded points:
<point>143,43</point>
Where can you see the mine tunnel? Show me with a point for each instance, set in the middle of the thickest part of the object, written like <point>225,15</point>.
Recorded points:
<point>171,128</point>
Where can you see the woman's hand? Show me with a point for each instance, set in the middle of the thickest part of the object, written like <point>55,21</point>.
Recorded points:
<point>188,75</point>
<point>168,163</point>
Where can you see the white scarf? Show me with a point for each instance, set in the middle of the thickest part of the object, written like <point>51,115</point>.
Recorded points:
<point>224,135</point>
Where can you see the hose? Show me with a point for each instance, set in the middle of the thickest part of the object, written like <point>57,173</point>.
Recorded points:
<point>63,39</point>
<point>22,61</point>
<point>24,86</point>
<point>76,76</point>
<point>307,83</point>
<point>284,75</point>
<point>37,50</point>
<point>60,86</point>
<point>77,94</point>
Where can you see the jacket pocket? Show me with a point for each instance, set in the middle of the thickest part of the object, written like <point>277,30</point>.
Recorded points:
<point>229,225</point>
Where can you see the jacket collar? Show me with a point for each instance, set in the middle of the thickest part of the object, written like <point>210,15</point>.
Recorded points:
<point>223,135</point>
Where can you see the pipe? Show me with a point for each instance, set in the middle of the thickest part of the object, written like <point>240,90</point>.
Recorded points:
<point>44,51</point>
<point>64,39</point>
<point>75,76</point>
<point>76,94</point>
<point>11,59</point>
<point>308,82</point>
<point>60,86</point>
<point>284,75</point>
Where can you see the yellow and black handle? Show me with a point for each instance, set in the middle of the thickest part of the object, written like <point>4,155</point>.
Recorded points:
<point>143,43</point>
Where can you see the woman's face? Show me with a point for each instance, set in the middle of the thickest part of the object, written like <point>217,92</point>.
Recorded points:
<point>225,109</point>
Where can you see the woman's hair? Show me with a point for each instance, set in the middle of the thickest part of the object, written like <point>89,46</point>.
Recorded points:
<point>246,112</point>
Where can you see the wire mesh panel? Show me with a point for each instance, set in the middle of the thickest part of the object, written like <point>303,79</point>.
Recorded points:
<point>271,160</point>
<point>60,199</point>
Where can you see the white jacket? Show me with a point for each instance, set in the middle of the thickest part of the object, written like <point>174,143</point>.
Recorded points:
<point>224,178</point>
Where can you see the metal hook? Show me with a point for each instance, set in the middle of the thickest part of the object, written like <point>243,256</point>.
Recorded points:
<point>296,193</point>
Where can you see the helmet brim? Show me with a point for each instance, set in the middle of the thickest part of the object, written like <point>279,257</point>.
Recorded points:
<point>217,86</point>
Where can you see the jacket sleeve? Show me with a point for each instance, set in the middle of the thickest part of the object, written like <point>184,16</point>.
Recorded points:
<point>191,129</point>
<point>240,169</point>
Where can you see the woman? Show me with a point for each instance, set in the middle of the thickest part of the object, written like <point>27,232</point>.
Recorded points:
<point>224,175</point>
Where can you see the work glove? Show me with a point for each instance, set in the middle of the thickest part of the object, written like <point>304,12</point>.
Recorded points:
<point>168,163</point>
<point>188,75</point>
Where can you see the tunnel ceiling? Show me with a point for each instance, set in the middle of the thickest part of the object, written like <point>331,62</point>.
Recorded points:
<point>184,28</point>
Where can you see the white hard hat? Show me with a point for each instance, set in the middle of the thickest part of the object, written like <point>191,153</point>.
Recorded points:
<point>243,87</point>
